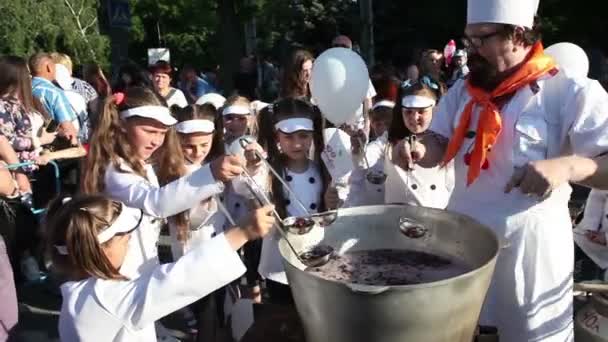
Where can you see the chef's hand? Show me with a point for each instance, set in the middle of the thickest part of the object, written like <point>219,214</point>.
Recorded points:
<point>226,168</point>
<point>406,154</point>
<point>539,177</point>
<point>253,162</point>
<point>332,199</point>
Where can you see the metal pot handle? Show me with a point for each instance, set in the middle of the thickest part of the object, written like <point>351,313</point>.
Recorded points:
<point>367,289</point>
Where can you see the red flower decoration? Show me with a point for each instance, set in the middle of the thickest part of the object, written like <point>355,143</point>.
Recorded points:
<point>119,98</point>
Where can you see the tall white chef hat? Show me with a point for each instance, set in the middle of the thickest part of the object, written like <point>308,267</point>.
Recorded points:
<point>512,12</point>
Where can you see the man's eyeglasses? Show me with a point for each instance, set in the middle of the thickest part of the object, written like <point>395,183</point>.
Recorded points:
<point>341,45</point>
<point>478,41</point>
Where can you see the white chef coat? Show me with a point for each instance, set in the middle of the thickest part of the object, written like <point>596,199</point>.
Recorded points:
<point>425,187</point>
<point>308,186</point>
<point>361,191</point>
<point>530,298</point>
<point>206,221</point>
<point>157,203</point>
<point>595,217</point>
<point>125,311</point>
<point>421,186</point>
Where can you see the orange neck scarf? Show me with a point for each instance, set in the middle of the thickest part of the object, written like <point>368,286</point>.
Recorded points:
<point>490,123</point>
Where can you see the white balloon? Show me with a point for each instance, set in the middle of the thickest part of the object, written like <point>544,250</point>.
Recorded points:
<point>571,58</point>
<point>339,84</point>
<point>216,100</point>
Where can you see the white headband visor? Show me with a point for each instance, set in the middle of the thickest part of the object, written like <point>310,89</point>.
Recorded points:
<point>158,113</point>
<point>195,126</point>
<point>384,103</point>
<point>415,101</point>
<point>216,100</point>
<point>127,221</point>
<point>293,125</point>
<point>239,110</point>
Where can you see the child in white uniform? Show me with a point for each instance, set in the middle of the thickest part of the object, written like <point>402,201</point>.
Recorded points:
<point>200,134</point>
<point>363,192</point>
<point>296,128</point>
<point>136,159</point>
<point>89,238</point>
<point>238,122</point>
<point>134,139</point>
<point>422,186</point>
<point>591,233</point>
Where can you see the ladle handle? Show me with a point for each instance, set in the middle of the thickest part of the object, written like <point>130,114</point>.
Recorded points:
<point>226,213</point>
<point>591,287</point>
<point>261,197</point>
<point>245,142</point>
<point>363,150</point>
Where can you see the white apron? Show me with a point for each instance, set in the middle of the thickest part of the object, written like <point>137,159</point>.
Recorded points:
<point>530,298</point>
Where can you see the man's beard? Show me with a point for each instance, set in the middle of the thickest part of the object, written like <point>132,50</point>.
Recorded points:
<point>481,73</point>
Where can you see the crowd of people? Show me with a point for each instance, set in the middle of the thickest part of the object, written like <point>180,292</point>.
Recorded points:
<point>161,148</point>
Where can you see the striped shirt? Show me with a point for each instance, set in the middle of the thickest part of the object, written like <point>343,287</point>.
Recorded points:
<point>86,90</point>
<point>53,99</point>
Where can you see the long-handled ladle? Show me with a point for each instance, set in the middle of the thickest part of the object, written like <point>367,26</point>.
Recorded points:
<point>297,225</point>
<point>317,256</point>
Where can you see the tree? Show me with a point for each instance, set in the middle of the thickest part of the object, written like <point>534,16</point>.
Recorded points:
<point>69,26</point>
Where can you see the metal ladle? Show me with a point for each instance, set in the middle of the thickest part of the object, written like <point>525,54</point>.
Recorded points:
<point>317,256</point>
<point>296,225</point>
<point>412,228</point>
<point>374,177</point>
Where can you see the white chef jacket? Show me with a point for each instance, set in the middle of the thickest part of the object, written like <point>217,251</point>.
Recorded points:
<point>595,217</point>
<point>125,311</point>
<point>206,221</point>
<point>157,203</point>
<point>308,187</point>
<point>420,187</point>
<point>530,298</point>
<point>361,191</point>
<point>425,187</point>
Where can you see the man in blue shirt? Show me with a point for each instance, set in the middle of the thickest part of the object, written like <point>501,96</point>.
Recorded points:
<point>52,97</point>
<point>194,86</point>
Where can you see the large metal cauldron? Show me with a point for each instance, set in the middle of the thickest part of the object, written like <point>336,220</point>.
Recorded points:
<point>443,311</point>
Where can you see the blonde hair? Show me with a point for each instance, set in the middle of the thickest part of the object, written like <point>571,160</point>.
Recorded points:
<point>63,59</point>
<point>75,226</point>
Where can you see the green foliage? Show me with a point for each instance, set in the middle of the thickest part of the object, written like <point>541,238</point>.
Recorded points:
<point>28,26</point>
<point>187,27</point>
